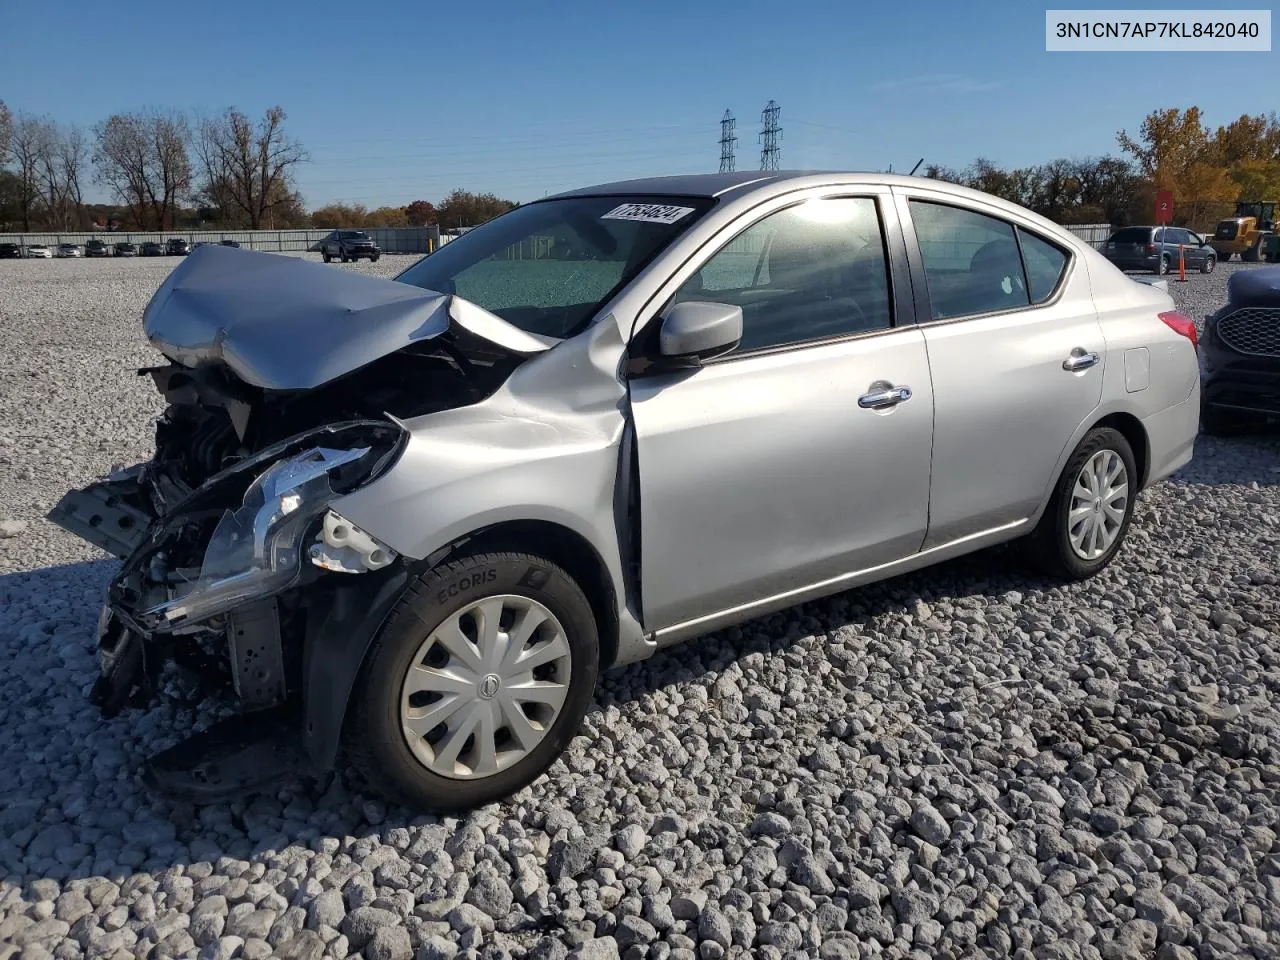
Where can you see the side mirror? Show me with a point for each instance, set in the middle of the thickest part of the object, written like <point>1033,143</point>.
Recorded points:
<point>696,330</point>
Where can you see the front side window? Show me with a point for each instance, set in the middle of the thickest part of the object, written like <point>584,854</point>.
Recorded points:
<point>808,272</point>
<point>548,267</point>
<point>971,262</point>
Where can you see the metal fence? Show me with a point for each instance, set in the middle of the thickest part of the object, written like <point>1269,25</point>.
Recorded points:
<point>1092,233</point>
<point>389,239</point>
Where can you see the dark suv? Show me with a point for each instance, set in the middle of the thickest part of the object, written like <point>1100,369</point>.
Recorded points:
<point>349,245</point>
<point>1156,249</point>
<point>1240,354</point>
<point>177,247</point>
<point>96,248</point>
<point>10,251</point>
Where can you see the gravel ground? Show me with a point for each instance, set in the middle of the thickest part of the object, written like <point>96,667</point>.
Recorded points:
<point>963,761</point>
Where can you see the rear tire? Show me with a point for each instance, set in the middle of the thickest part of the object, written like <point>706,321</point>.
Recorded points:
<point>1163,268</point>
<point>396,762</point>
<point>1061,545</point>
<point>1254,253</point>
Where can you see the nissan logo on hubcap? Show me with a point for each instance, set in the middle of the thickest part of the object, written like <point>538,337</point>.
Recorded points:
<point>489,686</point>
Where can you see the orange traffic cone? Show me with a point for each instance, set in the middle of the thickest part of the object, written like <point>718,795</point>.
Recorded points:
<point>1182,264</point>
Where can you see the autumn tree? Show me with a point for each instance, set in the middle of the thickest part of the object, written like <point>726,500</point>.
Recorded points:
<point>339,214</point>
<point>464,209</point>
<point>248,168</point>
<point>420,213</point>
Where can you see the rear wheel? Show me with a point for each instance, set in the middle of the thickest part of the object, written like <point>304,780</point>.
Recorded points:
<point>1254,253</point>
<point>1163,268</point>
<point>1089,513</point>
<point>476,683</point>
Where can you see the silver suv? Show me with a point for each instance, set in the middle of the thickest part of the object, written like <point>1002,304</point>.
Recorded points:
<point>410,520</point>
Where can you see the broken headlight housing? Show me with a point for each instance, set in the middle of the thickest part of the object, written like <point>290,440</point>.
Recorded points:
<point>257,549</point>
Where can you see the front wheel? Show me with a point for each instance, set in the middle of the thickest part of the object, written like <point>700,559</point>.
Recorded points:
<point>1209,263</point>
<point>476,684</point>
<point>1089,513</point>
<point>374,258</point>
<point>325,254</point>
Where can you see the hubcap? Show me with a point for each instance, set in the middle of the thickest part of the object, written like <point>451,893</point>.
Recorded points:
<point>485,687</point>
<point>1098,503</point>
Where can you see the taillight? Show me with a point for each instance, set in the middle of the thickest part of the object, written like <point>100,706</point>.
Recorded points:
<point>1151,248</point>
<point>1184,325</point>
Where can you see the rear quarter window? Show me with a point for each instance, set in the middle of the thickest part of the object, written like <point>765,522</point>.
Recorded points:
<point>1045,262</point>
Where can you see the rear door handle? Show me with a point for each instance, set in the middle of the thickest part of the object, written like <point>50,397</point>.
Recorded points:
<point>884,399</point>
<point>1079,360</point>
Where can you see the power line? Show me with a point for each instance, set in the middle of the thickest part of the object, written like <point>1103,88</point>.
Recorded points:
<point>727,140</point>
<point>770,151</point>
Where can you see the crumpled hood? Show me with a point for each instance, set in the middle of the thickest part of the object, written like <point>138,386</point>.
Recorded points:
<point>284,323</point>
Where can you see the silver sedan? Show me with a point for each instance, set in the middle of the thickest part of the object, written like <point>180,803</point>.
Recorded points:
<point>603,423</point>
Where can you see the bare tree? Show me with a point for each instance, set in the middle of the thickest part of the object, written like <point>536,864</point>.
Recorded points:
<point>143,158</point>
<point>6,132</point>
<point>248,169</point>
<point>73,155</point>
<point>28,146</point>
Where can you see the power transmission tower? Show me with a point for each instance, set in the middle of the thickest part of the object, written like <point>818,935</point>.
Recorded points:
<point>727,140</point>
<point>770,152</point>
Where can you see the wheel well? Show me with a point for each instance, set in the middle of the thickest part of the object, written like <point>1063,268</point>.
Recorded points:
<point>574,554</point>
<point>1130,427</point>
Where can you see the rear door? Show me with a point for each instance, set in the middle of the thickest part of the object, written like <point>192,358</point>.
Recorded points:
<point>775,468</point>
<point>1016,354</point>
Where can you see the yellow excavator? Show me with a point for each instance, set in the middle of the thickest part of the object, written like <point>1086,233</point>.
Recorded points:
<point>1246,232</point>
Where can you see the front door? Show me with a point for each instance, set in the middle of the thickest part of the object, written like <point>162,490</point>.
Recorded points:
<point>804,454</point>
<point>1017,355</point>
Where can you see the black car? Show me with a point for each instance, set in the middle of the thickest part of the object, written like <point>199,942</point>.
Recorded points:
<point>10,251</point>
<point>152,249</point>
<point>126,249</point>
<point>177,247</point>
<point>1240,354</point>
<point>349,245</point>
<point>96,248</point>
<point>228,243</point>
<point>1157,249</point>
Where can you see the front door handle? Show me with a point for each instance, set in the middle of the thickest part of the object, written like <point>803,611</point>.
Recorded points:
<point>883,399</point>
<point>1079,360</point>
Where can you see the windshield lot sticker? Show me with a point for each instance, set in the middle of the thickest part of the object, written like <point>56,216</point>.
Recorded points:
<point>648,212</point>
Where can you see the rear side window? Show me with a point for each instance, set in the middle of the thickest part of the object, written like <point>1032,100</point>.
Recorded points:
<point>1132,235</point>
<point>1045,263</point>
<point>971,262</point>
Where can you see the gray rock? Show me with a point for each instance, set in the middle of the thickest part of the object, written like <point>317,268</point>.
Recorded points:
<point>598,948</point>
<point>436,947</point>
<point>305,945</point>
<point>929,825</point>
<point>12,528</point>
<point>389,943</point>
<point>362,923</point>
<point>327,909</point>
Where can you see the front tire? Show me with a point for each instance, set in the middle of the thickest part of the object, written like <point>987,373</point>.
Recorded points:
<point>1089,513</point>
<point>448,713</point>
<point>325,254</point>
<point>1209,263</point>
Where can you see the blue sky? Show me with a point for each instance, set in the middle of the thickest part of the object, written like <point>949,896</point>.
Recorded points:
<point>397,101</point>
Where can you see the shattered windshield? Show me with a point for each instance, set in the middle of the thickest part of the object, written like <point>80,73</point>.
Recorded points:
<point>549,266</point>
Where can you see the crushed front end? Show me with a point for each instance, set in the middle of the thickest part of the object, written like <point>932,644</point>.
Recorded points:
<point>286,389</point>
<point>217,580</point>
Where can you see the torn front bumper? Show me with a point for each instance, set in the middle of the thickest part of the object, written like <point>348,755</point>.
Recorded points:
<point>218,562</point>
